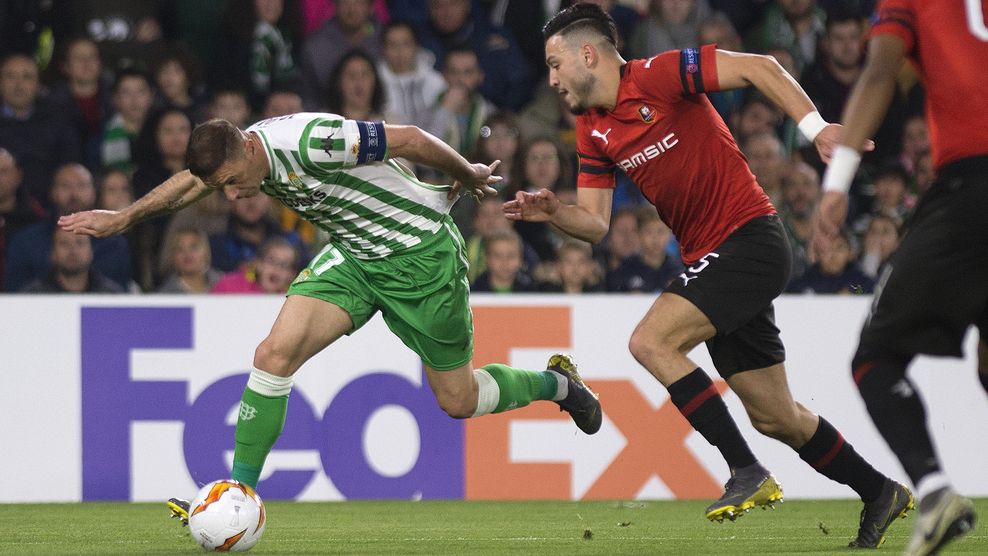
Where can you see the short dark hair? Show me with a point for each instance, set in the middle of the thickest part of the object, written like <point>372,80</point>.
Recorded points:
<point>582,16</point>
<point>213,143</point>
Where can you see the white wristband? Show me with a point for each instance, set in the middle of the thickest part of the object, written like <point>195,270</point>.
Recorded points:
<point>840,172</point>
<point>811,125</point>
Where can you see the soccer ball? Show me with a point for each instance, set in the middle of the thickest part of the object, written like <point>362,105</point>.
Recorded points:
<point>227,515</point>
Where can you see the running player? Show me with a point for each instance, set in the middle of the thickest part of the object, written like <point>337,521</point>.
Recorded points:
<point>394,249</point>
<point>651,119</point>
<point>914,311</point>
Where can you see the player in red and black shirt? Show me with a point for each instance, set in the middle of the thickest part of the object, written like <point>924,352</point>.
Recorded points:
<point>937,283</point>
<point>651,119</point>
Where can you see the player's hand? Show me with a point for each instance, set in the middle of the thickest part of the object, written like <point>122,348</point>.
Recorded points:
<point>533,207</point>
<point>96,223</point>
<point>827,223</point>
<point>828,139</point>
<point>478,183</point>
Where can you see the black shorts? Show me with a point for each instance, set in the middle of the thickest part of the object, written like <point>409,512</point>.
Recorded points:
<point>734,286</point>
<point>936,284</point>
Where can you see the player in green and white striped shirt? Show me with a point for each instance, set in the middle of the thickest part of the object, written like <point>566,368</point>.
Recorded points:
<point>394,249</point>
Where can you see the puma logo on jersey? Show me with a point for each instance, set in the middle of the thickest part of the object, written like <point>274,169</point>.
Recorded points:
<point>600,135</point>
<point>651,151</point>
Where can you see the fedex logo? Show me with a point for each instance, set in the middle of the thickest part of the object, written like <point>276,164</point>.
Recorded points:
<point>509,455</point>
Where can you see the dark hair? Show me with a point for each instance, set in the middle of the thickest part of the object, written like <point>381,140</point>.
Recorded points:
<point>128,73</point>
<point>212,144</point>
<point>181,56</point>
<point>147,151</point>
<point>396,24</point>
<point>892,169</point>
<point>334,96</point>
<point>579,17</point>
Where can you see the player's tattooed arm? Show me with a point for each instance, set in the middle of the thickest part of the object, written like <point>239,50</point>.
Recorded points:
<point>422,147</point>
<point>173,194</point>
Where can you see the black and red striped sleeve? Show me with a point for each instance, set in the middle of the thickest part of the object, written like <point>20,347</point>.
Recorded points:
<point>596,169</point>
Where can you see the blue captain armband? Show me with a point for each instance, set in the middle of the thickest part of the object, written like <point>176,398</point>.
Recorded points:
<point>373,145</point>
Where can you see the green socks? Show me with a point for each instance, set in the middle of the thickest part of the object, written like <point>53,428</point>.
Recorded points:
<point>503,388</point>
<point>262,417</point>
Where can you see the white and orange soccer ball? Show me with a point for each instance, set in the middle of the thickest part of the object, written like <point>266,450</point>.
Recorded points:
<point>227,515</point>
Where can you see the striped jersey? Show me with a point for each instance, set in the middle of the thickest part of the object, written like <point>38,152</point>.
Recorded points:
<point>336,174</point>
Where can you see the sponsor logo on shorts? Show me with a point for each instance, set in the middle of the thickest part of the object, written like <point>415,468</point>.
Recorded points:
<point>302,276</point>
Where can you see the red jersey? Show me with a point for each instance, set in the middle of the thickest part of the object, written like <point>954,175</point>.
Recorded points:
<point>664,133</point>
<point>947,41</point>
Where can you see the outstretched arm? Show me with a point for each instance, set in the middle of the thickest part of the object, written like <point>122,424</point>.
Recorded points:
<point>736,70</point>
<point>588,219</point>
<point>422,147</point>
<point>173,194</point>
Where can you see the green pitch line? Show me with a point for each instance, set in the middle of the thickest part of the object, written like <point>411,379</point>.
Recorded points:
<point>483,528</point>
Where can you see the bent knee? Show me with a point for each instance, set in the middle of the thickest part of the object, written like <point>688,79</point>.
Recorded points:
<point>279,360</point>
<point>457,406</point>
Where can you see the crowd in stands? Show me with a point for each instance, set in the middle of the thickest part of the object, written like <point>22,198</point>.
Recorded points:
<point>98,99</point>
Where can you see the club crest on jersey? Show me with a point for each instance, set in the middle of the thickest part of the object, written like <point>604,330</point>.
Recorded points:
<point>646,114</point>
<point>295,180</point>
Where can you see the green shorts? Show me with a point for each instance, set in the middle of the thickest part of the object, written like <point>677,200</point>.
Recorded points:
<point>422,293</point>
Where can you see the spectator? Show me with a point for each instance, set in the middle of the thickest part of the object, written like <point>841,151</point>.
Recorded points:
<point>355,90</point>
<point>575,270</point>
<point>115,191</point>
<point>71,269</point>
<point>281,103</point>
<point>18,209</point>
<point>35,130</point>
<point>72,191</point>
<point>758,115</point>
<point>176,76</point>
<point>456,25</point>
<point>767,162</point>
<point>186,262</point>
<point>260,47</point>
<point>132,100</point>
<point>317,12</point>
<point>923,172</point>
<point>622,240</point>
<point>915,140</point>
<point>800,196</point>
<point>411,84</point>
<point>83,89</point>
<point>880,240</point>
<point>504,273</point>
<point>487,220</point>
<point>461,110</point>
<point>271,271</point>
<point>541,166</point>
<point>231,105</point>
<point>352,27</point>
<point>651,269</point>
<point>828,82</point>
<point>670,25</point>
<point>835,272</point>
<point>792,25</point>
<point>891,197</point>
<point>250,225</point>
<point>500,141</point>
<point>161,150</point>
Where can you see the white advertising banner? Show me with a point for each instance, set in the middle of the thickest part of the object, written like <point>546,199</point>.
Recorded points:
<point>134,398</point>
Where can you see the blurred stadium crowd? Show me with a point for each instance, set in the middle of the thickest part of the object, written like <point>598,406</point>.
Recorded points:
<point>98,98</point>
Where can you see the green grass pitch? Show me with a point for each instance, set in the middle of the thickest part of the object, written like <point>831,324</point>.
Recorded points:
<point>456,527</point>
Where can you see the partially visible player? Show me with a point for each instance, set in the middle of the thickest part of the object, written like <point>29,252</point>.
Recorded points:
<point>936,285</point>
<point>651,119</point>
<point>394,250</point>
